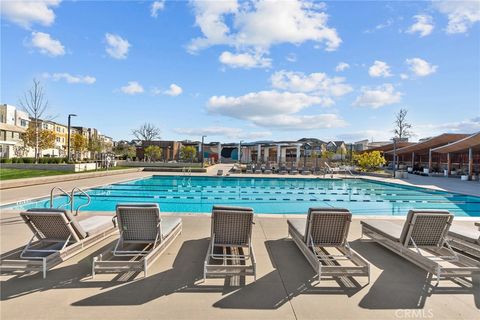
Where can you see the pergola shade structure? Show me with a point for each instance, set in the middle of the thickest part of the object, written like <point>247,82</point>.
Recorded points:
<point>387,148</point>
<point>420,155</point>
<point>468,147</point>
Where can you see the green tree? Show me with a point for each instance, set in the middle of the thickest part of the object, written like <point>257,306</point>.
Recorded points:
<point>188,152</point>
<point>368,161</point>
<point>95,145</point>
<point>79,144</point>
<point>327,155</point>
<point>39,139</point>
<point>153,153</point>
<point>125,151</point>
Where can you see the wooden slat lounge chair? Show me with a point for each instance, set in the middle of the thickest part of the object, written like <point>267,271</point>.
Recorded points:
<point>325,231</point>
<point>144,236</point>
<point>57,236</point>
<point>249,169</point>
<point>465,239</point>
<point>230,252</point>
<point>423,241</point>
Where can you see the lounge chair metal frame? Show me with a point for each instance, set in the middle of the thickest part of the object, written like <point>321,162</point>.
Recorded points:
<point>316,253</point>
<point>21,261</point>
<point>129,258</point>
<point>472,249</point>
<point>231,263</point>
<point>437,247</point>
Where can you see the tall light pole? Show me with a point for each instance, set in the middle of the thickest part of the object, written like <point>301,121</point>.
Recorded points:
<point>68,132</point>
<point>203,160</point>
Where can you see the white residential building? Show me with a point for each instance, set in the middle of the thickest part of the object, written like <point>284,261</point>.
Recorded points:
<point>13,122</point>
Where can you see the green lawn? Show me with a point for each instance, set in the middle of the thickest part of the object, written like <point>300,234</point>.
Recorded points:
<point>8,174</point>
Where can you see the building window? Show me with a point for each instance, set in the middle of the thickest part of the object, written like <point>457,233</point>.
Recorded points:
<point>23,123</point>
<point>58,139</point>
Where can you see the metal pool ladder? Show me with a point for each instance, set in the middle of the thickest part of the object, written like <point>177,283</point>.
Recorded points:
<point>71,198</point>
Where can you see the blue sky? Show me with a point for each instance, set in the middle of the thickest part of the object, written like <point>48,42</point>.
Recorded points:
<point>248,70</point>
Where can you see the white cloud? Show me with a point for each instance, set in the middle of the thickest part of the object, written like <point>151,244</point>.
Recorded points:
<point>261,24</point>
<point>228,132</point>
<point>379,69</point>
<point>71,78</point>
<point>174,90</point>
<point>471,125</point>
<point>274,109</point>
<point>461,14</point>
<point>291,57</point>
<point>157,6</point>
<point>421,67</point>
<point>46,44</point>
<point>26,13</point>
<point>315,83</point>
<point>380,26</point>
<point>378,97</point>
<point>342,66</point>
<point>244,60</point>
<point>423,25</point>
<point>304,122</point>
<point>403,76</point>
<point>117,47</point>
<point>133,87</point>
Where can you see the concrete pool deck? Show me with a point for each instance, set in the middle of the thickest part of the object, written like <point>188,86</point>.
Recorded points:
<point>283,290</point>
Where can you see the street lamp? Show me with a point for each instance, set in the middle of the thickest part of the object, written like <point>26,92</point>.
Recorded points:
<point>68,132</point>
<point>203,155</point>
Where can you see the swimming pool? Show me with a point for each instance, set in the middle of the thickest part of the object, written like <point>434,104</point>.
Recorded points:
<point>269,195</point>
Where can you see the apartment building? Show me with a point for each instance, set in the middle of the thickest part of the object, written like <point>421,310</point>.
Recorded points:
<point>13,123</point>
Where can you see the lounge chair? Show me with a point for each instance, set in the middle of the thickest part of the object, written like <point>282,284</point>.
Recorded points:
<point>324,231</point>
<point>423,241</point>
<point>305,171</point>
<point>465,239</point>
<point>144,236</point>
<point>258,169</point>
<point>268,169</point>
<point>282,170</point>
<point>249,169</point>
<point>293,170</point>
<point>220,172</point>
<point>230,252</point>
<point>59,236</point>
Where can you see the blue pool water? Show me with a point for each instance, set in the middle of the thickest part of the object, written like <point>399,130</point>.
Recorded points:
<point>270,195</point>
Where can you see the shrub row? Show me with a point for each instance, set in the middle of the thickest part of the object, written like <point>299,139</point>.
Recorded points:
<point>45,160</point>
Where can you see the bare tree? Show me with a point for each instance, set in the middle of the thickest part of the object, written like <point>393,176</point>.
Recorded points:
<point>147,132</point>
<point>402,127</point>
<point>35,104</point>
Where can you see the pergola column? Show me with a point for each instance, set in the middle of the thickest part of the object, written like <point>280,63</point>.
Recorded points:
<point>470,163</point>
<point>449,164</point>
<point>297,159</point>
<point>413,159</point>
<point>429,160</point>
<point>259,153</point>
<point>265,154</point>
<point>279,151</point>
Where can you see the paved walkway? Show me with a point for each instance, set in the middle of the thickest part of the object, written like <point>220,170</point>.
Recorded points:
<point>285,287</point>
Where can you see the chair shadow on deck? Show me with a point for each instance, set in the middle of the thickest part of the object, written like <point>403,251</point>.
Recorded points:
<point>70,276</point>
<point>268,292</point>
<point>403,285</point>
